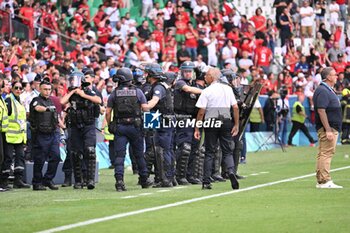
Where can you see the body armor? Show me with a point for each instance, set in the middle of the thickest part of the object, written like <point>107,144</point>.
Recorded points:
<point>185,103</point>
<point>165,105</point>
<point>44,122</point>
<point>82,111</point>
<point>126,104</point>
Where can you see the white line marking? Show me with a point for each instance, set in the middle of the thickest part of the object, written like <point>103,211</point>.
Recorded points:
<point>254,174</point>
<point>264,172</point>
<point>128,197</point>
<point>145,194</point>
<point>163,191</point>
<point>180,187</point>
<point>131,213</point>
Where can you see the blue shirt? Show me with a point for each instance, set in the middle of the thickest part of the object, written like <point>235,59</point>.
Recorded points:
<point>325,98</point>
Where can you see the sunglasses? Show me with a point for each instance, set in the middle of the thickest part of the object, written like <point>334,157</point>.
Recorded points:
<point>18,88</point>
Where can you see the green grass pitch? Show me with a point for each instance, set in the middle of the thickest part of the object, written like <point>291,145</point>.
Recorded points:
<point>295,206</point>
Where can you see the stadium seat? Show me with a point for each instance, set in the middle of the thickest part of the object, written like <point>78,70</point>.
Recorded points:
<point>123,11</point>
<point>134,12</point>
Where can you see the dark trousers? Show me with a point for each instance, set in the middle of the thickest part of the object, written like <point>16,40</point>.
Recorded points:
<point>164,139</point>
<point>18,157</point>
<point>111,152</point>
<point>133,135</point>
<point>223,136</point>
<point>1,148</point>
<point>46,147</point>
<point>254,127</point>
<point>345,131</point>
<point>295,127</point>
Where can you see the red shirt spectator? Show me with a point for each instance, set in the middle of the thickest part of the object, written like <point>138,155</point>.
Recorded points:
<point>339,66</point>
<point>263,56</point>
<point>259,20</point>
<point>103,33</point>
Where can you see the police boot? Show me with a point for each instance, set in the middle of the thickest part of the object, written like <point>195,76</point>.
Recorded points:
<point>4,183</point>
<point>166,183</point>
<point>67,180</point>
<point>199,164</point>
<point>18,183</point>
<point>76,158</point>
<point>119,184</point>
<point>91,167</point>
<point>183,154</point>
<point>145,182</point>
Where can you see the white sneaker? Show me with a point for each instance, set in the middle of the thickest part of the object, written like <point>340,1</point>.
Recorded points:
<point>328,185</point>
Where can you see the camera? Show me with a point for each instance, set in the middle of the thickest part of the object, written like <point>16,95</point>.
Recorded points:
<point>283,91</point>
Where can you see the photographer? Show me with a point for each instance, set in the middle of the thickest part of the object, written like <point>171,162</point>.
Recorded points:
<point>283,115</point>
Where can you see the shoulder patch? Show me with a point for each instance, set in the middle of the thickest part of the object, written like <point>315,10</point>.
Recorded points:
<point>157,92</point>
<point>35,103</point>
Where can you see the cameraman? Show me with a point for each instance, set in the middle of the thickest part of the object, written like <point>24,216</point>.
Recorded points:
<point>283,115</point>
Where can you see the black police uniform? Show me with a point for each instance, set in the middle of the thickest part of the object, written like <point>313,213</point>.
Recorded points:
<point>125,101</point>
<point>184,107</point>
<point>81,117</point>
<point>45,141</point>
<point>163,137</point>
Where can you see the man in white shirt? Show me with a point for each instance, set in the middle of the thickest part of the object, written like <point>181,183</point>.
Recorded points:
<point>216,102</point>
<point>113,13</point>
<point>307,19</point>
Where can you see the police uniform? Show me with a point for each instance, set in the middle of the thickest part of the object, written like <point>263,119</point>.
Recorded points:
<point>82,114</point>
<point>163,137</point>
<point>126,102</point>
<point>345,137</point>
<point>45,141</point>
<point>184,107</point>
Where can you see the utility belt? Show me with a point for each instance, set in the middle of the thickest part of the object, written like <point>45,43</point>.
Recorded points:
<point>128,121</point>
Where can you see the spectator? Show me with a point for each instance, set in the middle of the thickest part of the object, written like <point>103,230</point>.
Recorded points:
<point>147,6</point>
<point>182,55</point>
<point>143,30</point>
<point>113,13</point>
<point>307,15</point>
<point>285,21</point>
<point>320,11</point>
<point>191,43</point>
<point>259,20</point>
<point>27,14</point>
<point>256,117</point>
<point>334,12</point>
<point>263,57</point>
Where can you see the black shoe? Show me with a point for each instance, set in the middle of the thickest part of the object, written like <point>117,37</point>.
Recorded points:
<point>182,181</point>
<point>234,181</point>
<point>174,182</point>
<point>39,187</point>
<point>78,185</point>
<point>239,177</point>
<point>193,180</point>
<point>218,178</point>
<point>167,183</point>
<point>67,181</point>
<point>18,184</point>
<point>157,185</point>
<point>206,186</point>
<point>145,183</point>
<point>111,167</point>
<point>120,186</point>
<point>91,184</point>
<point>51,185</point>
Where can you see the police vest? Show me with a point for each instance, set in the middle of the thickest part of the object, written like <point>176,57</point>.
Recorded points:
<point>297,117</point>
<point>146,89</point>
<point>3,116</point>
<point>184,102</point>
<point>82,111</point>
<point>43,122</point>
<point>255,116</point>
<point>126,104</point>
<point>17,126</point>
<point>164,105</point>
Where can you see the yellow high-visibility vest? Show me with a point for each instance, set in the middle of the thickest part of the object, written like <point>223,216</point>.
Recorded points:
<point>17,127</point>
<point>3,116</point>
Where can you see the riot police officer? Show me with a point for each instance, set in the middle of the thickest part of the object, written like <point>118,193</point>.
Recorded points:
<point>45,138</point>
<point>185,98</point>
<point>161,103</point>
<point>84,108</point>
<point>126,102</point>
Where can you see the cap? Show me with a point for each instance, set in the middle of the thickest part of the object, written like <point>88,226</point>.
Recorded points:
<point>340,55</point>
<point>110,84</point>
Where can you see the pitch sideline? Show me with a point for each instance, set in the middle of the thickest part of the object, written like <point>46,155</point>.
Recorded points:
<point>122,215</point>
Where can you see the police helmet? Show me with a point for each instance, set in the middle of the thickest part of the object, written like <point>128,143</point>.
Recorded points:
<point>170,77</point>
<point>123,75</point>
<point>138,76</point>
<point>187,65</point>
<point>229,74</point>
<point>200,72</point>
<point>154,71</point>
<point>76,78</point>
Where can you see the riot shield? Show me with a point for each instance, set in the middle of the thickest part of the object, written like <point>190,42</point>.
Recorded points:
<point>248,98</point>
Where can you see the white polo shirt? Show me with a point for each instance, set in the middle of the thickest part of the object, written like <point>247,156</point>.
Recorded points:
<point>217,99</point>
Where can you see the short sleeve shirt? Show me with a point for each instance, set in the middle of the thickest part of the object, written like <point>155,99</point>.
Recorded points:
<point>325,98</point>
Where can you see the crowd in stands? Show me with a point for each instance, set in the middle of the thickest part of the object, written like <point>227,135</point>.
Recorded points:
<point>303,37</point>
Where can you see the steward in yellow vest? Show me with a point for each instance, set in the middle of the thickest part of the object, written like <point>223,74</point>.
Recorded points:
<point>256,117</point>
<point>16,137</point>
<point>345,137</point>
<point>298,120</point>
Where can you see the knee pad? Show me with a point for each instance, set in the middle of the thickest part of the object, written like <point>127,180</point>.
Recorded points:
<point>90,152</point>
<point>76,155</point>
<point>186,148</point>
